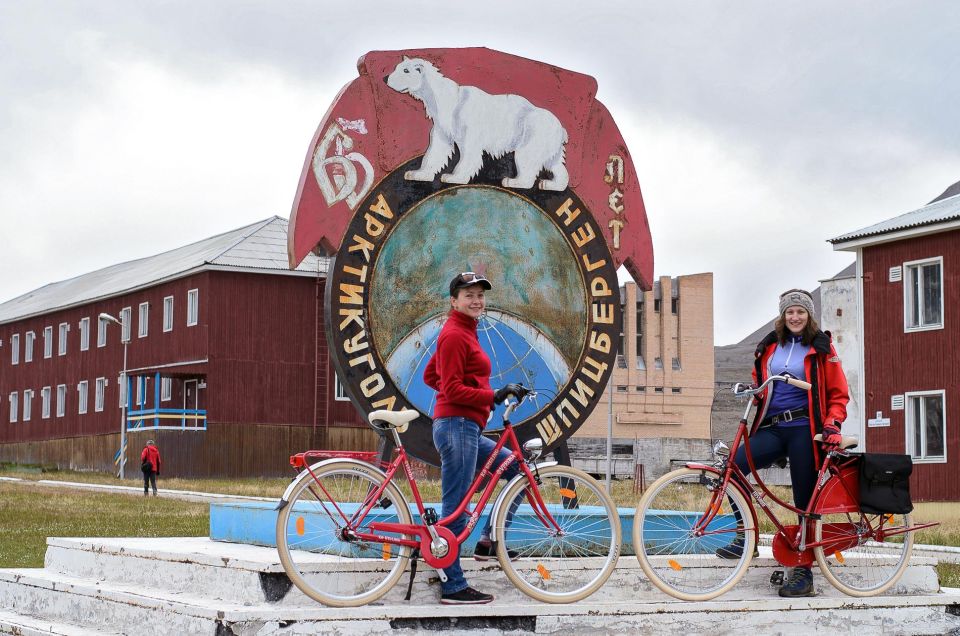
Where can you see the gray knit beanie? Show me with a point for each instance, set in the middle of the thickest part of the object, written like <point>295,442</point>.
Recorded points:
<point>796,297</point>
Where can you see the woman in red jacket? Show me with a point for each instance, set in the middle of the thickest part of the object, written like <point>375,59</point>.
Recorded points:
<point>787,418</point>
<point>460,374</point>
<point>150,465</point>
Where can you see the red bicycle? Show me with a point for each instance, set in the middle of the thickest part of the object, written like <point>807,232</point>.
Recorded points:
<point>345,532</point>
<point>690,514</point>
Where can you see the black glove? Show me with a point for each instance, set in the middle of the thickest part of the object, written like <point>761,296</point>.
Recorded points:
<point>516,390</point>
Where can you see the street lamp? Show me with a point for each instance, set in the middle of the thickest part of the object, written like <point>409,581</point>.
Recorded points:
<point>123,380</point>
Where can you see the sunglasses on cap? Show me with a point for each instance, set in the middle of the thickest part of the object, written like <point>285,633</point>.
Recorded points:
<point>466,279</point>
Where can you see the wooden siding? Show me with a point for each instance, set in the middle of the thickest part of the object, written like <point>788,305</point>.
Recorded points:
<point>898,362</point>
<point>225,450</point>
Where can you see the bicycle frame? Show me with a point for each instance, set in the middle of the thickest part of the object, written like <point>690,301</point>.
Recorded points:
<point>432,537</point>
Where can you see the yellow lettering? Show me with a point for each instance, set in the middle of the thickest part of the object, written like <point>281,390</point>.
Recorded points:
<point>362,244</point>
<point>354,294</point>
<point>593,266</point>
<point>374,227</point>
<point>583,235</point>
<point>355,344</point>
<point>598,369</point>
<point>359,273</point>
<point>372,384</point>
<point>565,404</point>
<point>582,393</point>
<point>386,403</point>
<point>381,207</point>
<point>598,287</point>
<point>603,313</point>
<point>352,315</point>
<point>368,358</point>
<point>548,429</point>
<point>600,342</point>
<point>568,214</point>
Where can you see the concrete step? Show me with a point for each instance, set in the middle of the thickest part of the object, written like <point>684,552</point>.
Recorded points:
<point>60,599</point>
<point>252,574</point>
<point>11,623</point>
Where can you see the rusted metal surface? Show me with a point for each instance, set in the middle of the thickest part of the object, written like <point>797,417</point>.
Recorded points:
<point>440,161</point>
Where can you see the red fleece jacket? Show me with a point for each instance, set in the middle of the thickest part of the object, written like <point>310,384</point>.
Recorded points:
<point>460,372</point>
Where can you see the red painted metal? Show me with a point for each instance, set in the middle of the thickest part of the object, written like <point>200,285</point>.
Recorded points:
<point>896,362</point>
<point>394,130</point>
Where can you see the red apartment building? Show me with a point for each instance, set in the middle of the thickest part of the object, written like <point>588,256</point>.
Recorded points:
<point>225,353</point>
<point>908,270</point>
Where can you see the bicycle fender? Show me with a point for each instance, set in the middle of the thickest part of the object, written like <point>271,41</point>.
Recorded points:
<point>503,492</point>
<point>356,463</point>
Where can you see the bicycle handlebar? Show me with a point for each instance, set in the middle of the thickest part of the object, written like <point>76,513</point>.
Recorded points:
<point>740,389</point>
<point>511,406</point>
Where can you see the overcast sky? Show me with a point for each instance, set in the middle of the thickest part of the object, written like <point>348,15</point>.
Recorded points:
<point>758,129</point>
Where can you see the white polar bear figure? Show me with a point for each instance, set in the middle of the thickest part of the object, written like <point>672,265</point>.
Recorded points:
<point>479,122</point>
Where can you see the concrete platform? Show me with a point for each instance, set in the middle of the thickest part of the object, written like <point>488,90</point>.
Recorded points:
<point>199,586</point>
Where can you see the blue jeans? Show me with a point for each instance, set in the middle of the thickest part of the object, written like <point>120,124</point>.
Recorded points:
<point>463,451</point>
<point>769,444</point>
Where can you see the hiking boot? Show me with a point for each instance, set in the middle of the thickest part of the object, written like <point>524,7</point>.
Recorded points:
<point>466,596</point>
<point>735,549</point>
<point>799,584</point>
<point>486,550</point>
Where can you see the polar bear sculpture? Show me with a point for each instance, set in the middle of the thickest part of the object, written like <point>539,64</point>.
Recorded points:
<point>479,122</point>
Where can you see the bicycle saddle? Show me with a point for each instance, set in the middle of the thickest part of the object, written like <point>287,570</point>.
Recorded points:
<point>846,441</point>
<point>394,419</point>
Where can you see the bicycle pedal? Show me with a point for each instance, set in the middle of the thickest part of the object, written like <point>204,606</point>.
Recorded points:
<point>776,578</point>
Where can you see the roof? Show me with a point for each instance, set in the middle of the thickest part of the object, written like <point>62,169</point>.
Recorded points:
<point>259,247</point>
<point>941,210</point>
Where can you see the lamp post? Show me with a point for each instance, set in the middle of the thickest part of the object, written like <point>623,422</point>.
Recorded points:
<point>126,397</point>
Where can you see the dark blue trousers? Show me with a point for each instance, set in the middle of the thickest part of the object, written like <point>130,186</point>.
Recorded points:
<point>769,444</point>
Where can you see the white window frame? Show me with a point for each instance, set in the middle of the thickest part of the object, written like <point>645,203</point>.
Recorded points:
<point>143,320</point>
<point>100,395</point>
<point>908,426</point>
<point>15,349</point>
<point>168,313</point>
<point>14,406</point>
<point>126,315</point>
<point>28,342</point>
<point>84,333</point>
<point>27,405</point>
<point>166,389</point>
<point>45,403</point>
<point>48,342</point>
<point>61,400</point>
<point>142,388</point>
<point>101,333</point>
<point>193,307</point>
<point>62,338</point>
<point>339,393</point>
<point>908,295</point>
<point>83,394</point>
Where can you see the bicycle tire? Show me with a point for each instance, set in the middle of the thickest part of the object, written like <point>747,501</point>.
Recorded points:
<point>858,564</point>
<point>679,563</point>
<point>559,568</point>
<point>317,559</point>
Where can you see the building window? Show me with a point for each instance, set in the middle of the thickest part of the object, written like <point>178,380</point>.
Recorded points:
<point>675,364</point>
<point>658,389</point>
<point>27,405</point>
<point>61,400</point>
<point>641,389</point>
<point>338,391</point>
<point>143,386</point>
<point>62,341</point>
<point>166,389</point>
<point>98,398</point>
<point>14,406</point>
<point>45,402</point>
<point>101,333</point>
<point>143,320</point>
<point>168,313</point>
<point>676,389</point>
<point>923,294</point>
<point>15,348</point>
<point>82,397</point>
<point>658,363</point>
<point>47,342</point>
<point>28,346</point>
<point>193,307</point>
<point>926,433</point>
<point>621,388</point>
<point>674,306</point>
<point>126,315</point>
<point>656,305</point>
<point>84,334</point>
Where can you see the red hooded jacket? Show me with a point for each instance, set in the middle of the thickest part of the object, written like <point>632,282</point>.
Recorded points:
<point>827,398</point>
<point>151,453</point>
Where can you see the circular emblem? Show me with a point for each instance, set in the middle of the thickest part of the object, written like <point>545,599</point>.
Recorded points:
<point>553,317</point>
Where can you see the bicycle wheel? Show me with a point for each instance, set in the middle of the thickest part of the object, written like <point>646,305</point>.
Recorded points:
<point>677,558</point>
<point>564,564</point>
<point>318,559</point>
<point>865,554</point>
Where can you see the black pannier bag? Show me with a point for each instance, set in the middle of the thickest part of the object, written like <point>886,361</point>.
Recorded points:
<point>885,483</point>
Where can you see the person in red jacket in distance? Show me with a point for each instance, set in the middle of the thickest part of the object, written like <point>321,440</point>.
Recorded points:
<point>150,465</point>
<point>460,374</point>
